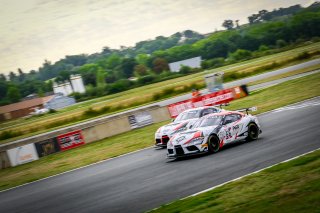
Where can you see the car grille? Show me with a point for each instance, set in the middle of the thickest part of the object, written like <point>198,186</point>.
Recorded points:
<point>179,150</point>
<point>192,148</point>
<point>158,141</point>
<point>170,151</point>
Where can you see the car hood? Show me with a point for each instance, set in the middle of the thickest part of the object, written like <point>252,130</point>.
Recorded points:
<point>172,127</point>
<point>186,136</point>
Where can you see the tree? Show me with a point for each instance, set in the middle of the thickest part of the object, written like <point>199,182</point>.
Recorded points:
<point>2,77</point>
<point>62,76</point>
<point>106,50</point>
<point>228,24</point>
<point>21,76</point>
<point>12,76</point>
<point>140,70</point>
<point>127,67</point>
<point>13,94</point>
<point>237,23</point>
<point>3,89</point>
<point>160,65</point>
<point>101,83</point>
<point>142,59</point>
<point>113,61</point>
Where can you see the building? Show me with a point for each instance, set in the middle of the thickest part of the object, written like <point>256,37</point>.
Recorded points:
<point>63,88</point>
<point>191,62</point>
<point>59,101</point>
<point>23,108</point>
<point>77,84</point>
<point>66,88</point>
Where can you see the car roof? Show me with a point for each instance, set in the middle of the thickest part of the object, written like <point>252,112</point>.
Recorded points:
<point>200,108</point>
<point>222,113</point>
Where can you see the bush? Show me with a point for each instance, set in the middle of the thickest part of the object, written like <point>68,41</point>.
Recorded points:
<point>263,48</point>
<point>281,43</point>
<point>9,134</point>
<point>212,63</point>
<point>240,54</point>
<point>146,79</point>
<point>303,55</point>
<point>52,111</point>
<point>185,69</point>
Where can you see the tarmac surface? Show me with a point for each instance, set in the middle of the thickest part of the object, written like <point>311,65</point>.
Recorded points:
<point>144,180</point>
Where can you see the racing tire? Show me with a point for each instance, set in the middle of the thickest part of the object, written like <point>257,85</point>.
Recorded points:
<point>213,144</point>
<point>253,132</point>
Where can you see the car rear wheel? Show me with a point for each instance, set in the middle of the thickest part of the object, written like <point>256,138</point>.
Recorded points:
<point>213,144</point>
<point>253,132</point>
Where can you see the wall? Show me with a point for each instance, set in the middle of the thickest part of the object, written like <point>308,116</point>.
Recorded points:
<point>92,131</point>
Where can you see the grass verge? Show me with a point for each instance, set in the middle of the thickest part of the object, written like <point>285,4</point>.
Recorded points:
<point>288,74</point>
<point>266,99</point>
<point>292,186</point>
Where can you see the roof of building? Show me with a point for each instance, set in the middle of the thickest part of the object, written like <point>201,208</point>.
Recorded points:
<point>24,104</point>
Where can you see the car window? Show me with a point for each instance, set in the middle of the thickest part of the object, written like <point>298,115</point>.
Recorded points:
<point>209,121</point>
<point>231,118</point>
<point>188,115</point>
<point>208,111</point>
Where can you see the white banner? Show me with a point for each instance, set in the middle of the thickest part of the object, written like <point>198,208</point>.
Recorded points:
<point>22,154</point>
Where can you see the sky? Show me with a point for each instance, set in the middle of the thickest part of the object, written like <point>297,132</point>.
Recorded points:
<point>32,31</point>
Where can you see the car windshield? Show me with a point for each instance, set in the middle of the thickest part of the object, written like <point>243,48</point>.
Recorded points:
<point>208,121</point>
<point>188,115</point>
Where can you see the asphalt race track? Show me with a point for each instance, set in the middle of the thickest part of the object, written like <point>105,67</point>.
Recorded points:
<point>144,180</point>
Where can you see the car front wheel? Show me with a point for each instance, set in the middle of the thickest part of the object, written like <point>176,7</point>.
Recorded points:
<point>253,132</point>
<point>213,144</point>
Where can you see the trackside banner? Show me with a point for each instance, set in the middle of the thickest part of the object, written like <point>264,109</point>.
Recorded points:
<point>22,154</point>
<point>216,98</point>
<point>70,140</point>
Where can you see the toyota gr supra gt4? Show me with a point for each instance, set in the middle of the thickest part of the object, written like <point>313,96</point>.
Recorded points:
<point>182,122</point>
<point>213,131</point>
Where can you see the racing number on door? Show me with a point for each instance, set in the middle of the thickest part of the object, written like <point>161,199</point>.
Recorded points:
<point>228,135</point>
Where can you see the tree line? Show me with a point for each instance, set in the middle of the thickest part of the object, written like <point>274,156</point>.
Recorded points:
<point>112,70</point>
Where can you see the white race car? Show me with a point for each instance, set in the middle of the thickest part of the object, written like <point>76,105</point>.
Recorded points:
<point>213,131</point>
<point>182,122</point>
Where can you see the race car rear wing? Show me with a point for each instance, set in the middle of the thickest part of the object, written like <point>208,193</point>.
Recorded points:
<point>253,109</point>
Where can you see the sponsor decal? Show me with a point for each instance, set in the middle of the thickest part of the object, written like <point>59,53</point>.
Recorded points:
<point>22,154</point>
<point>47,147</point>
<point>70,140</point>
<point>140,119</point>
<point>180,139</point>
<point>235,127</point>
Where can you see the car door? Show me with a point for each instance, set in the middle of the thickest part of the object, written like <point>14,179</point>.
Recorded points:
<point>230,127</point>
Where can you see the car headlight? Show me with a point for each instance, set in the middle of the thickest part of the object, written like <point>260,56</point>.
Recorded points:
<point>196,141</point>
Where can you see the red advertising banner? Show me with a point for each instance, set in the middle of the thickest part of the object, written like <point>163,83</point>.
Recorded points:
<point>70,140</point>
<point>220,97</point>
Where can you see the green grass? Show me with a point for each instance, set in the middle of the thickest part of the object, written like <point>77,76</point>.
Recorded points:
<point>282,94</point>
<point>284,75</point>
<point>292,186</point>
<point>266,99</point>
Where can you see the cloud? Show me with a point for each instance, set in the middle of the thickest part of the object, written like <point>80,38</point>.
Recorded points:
<point>34,30</point>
